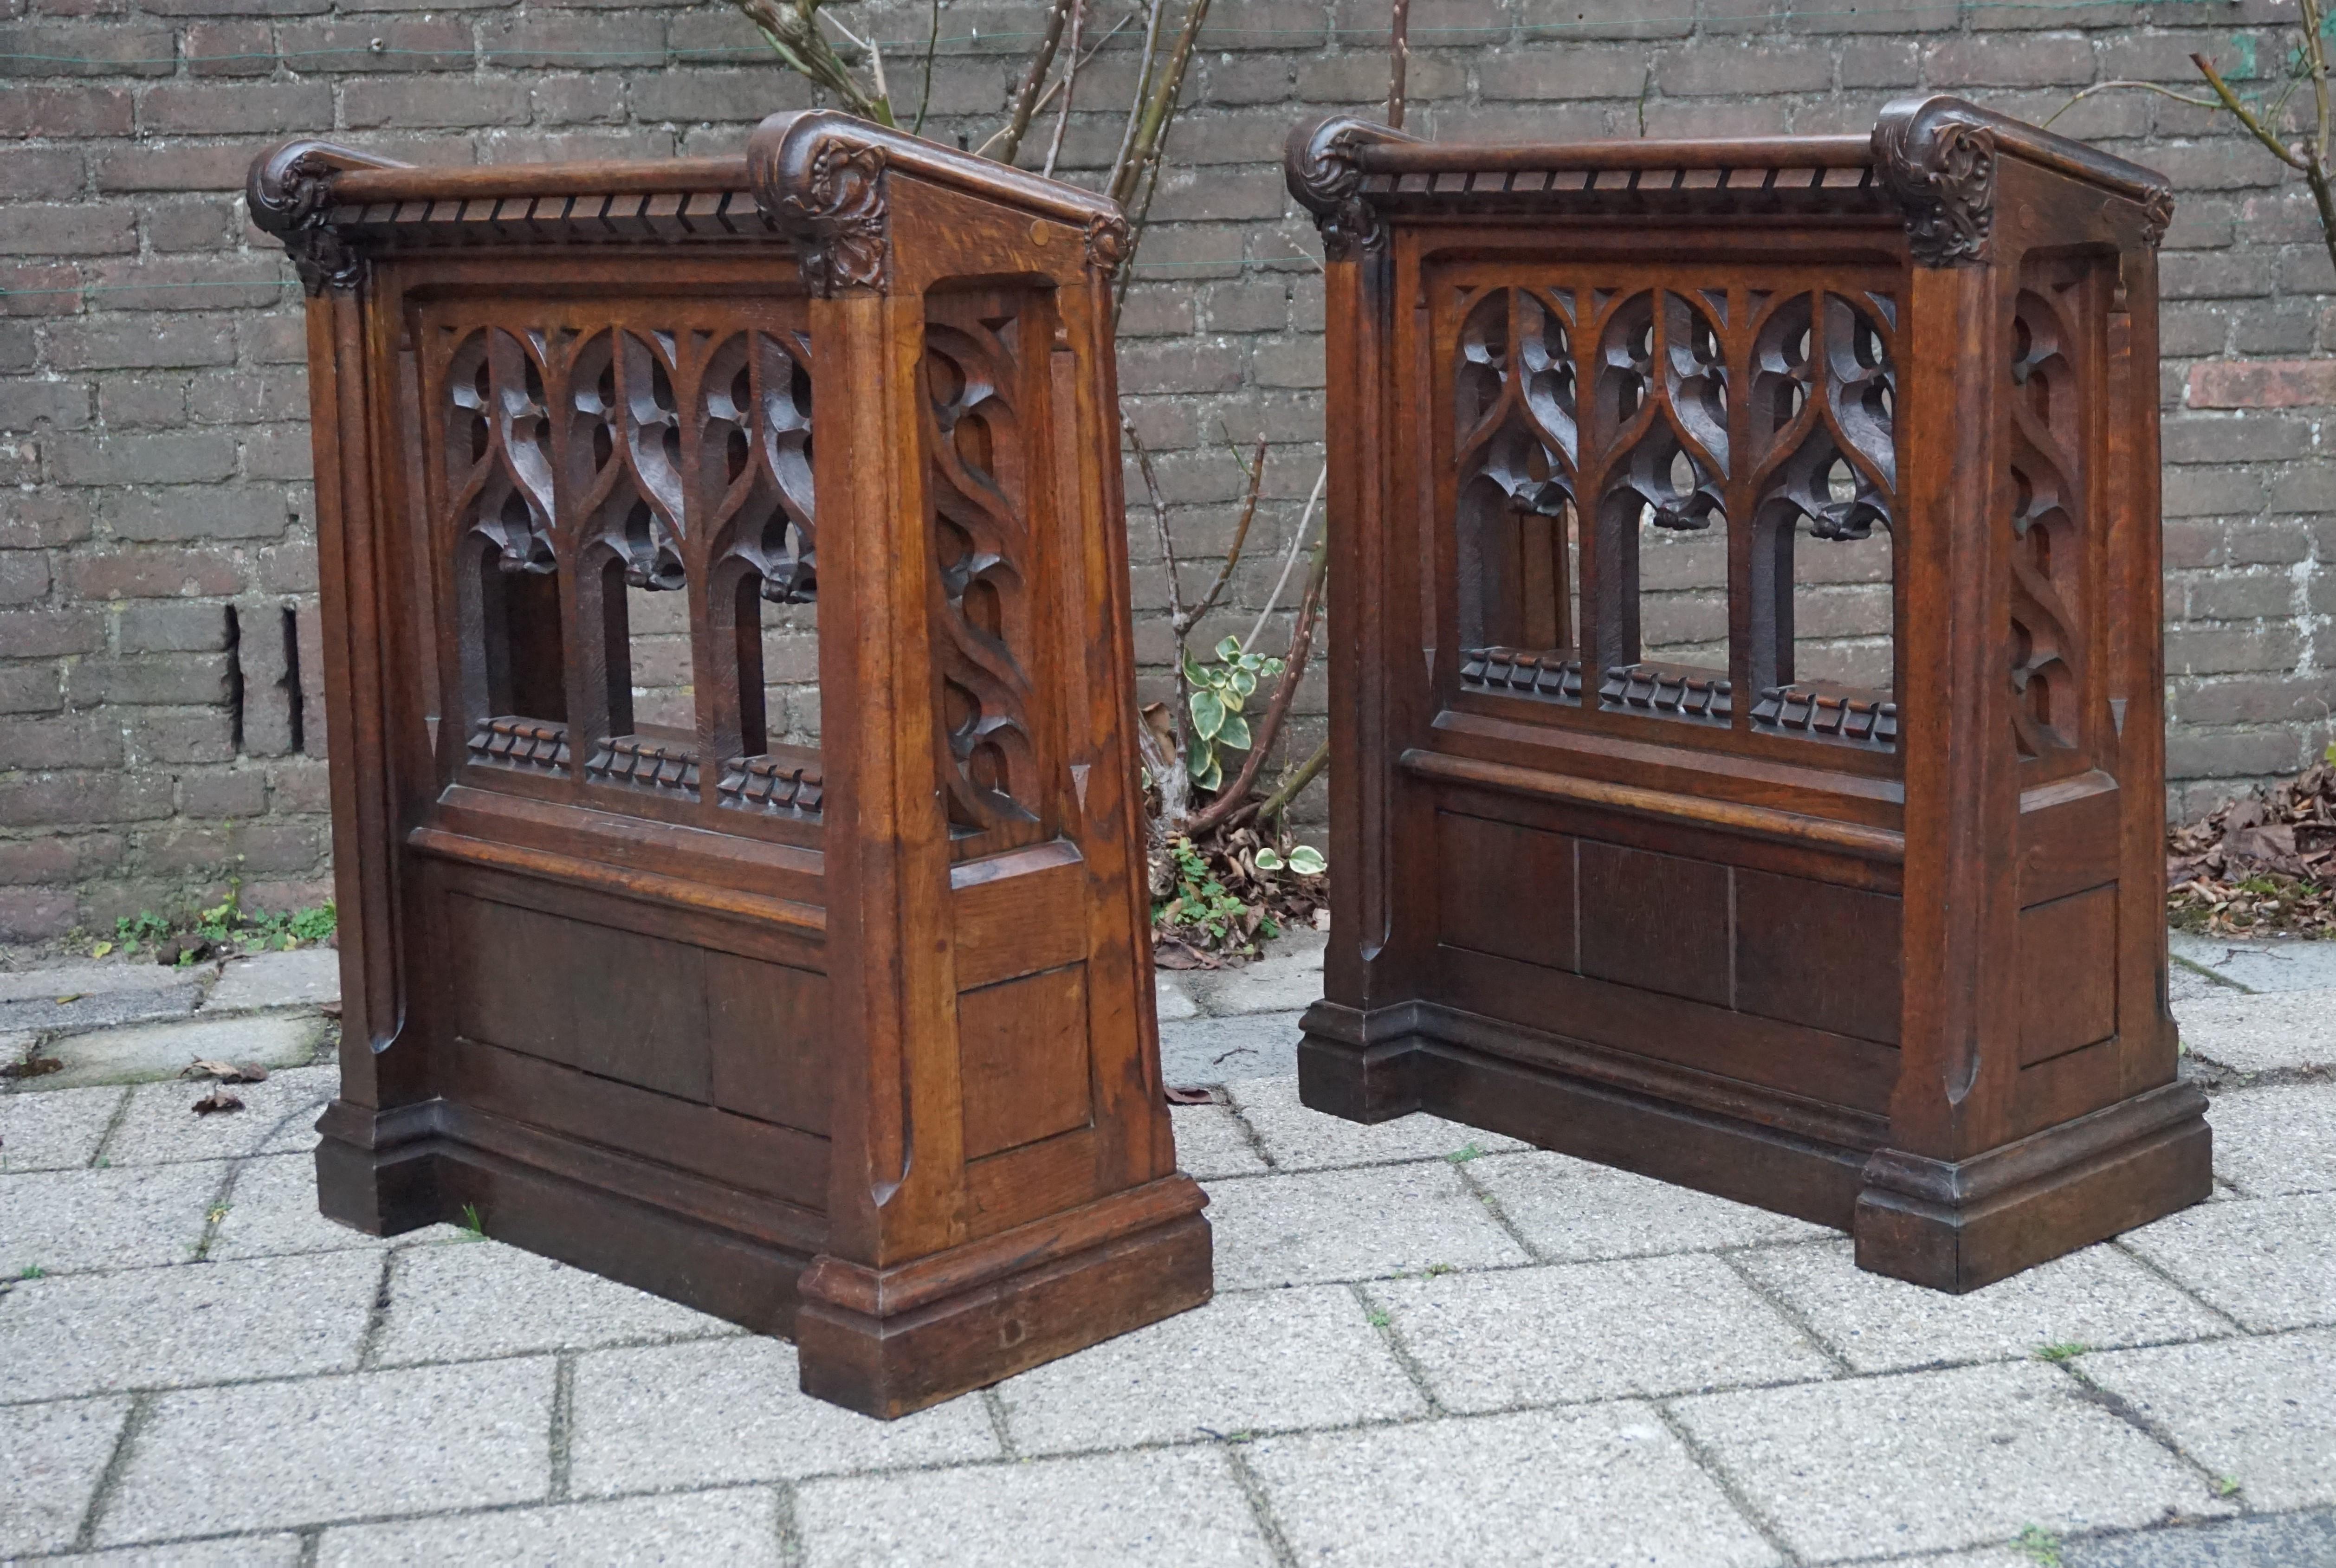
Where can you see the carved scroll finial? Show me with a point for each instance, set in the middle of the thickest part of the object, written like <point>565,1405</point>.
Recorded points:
<point>1106,242</point>
<point>836,207</point>
<point>1321,165</point>
<point>289,192</point>
<point>1937,157</point>
<point>2158,214</point>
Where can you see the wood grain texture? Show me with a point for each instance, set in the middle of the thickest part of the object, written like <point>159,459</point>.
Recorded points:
<point>679,996</point>
<point>1822,932</point>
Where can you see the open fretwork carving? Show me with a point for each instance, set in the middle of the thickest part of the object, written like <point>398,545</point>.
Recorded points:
<point>1657,415</point>
<point>592,456</point>
<point>1823,405</point>
<point>980,495</point>
<point>2047,519</point>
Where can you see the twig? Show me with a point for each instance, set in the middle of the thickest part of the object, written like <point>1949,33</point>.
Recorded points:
<point>1280,801</point>
<point>2312,163</point>
<point>1142,88</point>
<point>2139,86</point>
<point>1645,88</point>
<point>1269,729</point>
<point>1161,107</point>
<point>1070,86</point>
<point>1167,561</point>
<point>1009,141</point>
<point>1398,61</point>
<point>932,47</point>
<point>1233,555</point>
<point>1289,560</point>
<point>875,60</point>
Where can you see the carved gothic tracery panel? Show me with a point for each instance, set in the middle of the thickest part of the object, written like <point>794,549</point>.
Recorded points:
<point>2048,359</point>
<point>976,434</point>
<point>606,454</point>
<point>1603,419</point>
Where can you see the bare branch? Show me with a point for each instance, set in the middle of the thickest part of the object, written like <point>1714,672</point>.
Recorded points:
<point>2245,115</point>
<point>1398,61</point>
<point>1070,86</point>
<point>1268,728</point>
<point>1009,141</point>
<point>2138,87</point>
<point>1280,801</point>
<point>1153,132</point>
<point>1290,560</point>
<point>932,47</point>
<point>1240,537</point>
<point>1142,89</point>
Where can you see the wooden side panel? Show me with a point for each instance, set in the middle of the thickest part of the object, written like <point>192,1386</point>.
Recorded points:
<point>2067,974</point>
<point>1023,1060</point>
<point>1658,922</point>
<point>616,1003</point>
<point>767,1036</point>
<point>1809,952</point>
<point>1506,889</point>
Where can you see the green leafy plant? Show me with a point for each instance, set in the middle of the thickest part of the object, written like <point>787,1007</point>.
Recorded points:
<point>2067,1350</point>
<point>2227,1486</point>
<point>1220,694</point>
<point>31,1271</point>
<point>1199,900</point>
<point>2040,1547</point>
<point>1461,1156</point>
<point>473,1226</point>
<point>1305,860</point>
<point>132,930</point>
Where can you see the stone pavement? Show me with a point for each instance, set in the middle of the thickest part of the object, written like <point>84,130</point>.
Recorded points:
<point>1429,1345</point>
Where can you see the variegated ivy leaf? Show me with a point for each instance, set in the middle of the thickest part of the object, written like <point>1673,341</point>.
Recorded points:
<point>1235,733</point>
<point>1208,714</point>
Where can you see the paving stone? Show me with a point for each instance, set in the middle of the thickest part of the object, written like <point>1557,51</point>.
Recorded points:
<point>484,1299</point>
<point>1171,999</point>
<point>1572,1211</point>
<point>2096,1298</point>
<point>1288,977</point>
<point>715,1412</point>
<point>70,1011</point>
<point>1300,1139</point>
<point>119,978</point>
<point>2275,1142</point>
<point>232,1551</point>
<point>1260,1361</point>
<point>2260,1033</point>
<point>1208,1142</point>
<point>57,1132</point>
<point>272,1210</point>
<point>1985,1557</point>
<point>1605,1486</point>
<point>1325,1225</point>
<point>195,1324</point>
<point>154,1051</point>
<point>1156,1508</point>
<point>161,1124</point>
<point>58,1220</point>
<point>273,1456</point>
<point>2261,1411</point>
<point>2185,986</point>
<point>304,978</point>
<point>53,1457</point>
<point>2288,1541</point>
<point>2266,1262</point>
<point>2276,965</point>
<point>738,1527</point>
<point>1872,1466</point>
<point>1217,1050</point>
<point>1593,1331</point>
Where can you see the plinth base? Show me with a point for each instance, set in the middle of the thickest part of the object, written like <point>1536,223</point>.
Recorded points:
<point>1951,1227</point>
<point>885,1342</point>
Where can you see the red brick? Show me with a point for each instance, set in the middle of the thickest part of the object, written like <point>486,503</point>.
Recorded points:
<point>76,230</point>
<point>2263,384</point>
<point>153,574</point>
<point>67,112</point>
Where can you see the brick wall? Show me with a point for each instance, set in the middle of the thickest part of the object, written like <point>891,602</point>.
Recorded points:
<point>157,642</point>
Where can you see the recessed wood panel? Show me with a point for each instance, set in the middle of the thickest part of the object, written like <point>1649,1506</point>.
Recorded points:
<point>1506,889</point>
<point>2067,974</point>
<point>617,1004</point>
<point>1656,921</point>
<point>1809,952</point>
<point>767,1035</point>
<point>1022,1056</point>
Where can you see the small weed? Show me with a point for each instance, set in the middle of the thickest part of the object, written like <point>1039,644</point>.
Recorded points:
<point>2040,1547</point>
<point>1460,1157</point>
<point>31,1271</point>
<point>473,1226</point>
<point>2067,1350</point>
<point>1435,1269</point>
<point>2226,1485</point>
<point>218,1212</point>
<point>1379,1319</point>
